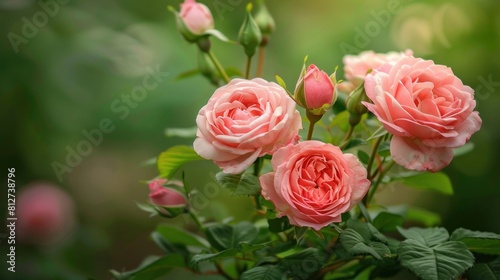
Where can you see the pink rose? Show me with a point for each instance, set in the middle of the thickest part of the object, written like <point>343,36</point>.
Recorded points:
<point>356,66</point>
<point>45,214</point>
<point>313,183</point>
<point>196,16</point>
<point>427,109</point>
<point>243,120</point>
<point>165,197</point>
<point>315,90</point>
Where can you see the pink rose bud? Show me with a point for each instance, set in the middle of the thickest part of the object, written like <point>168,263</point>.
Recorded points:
<point>315,91</point>
<point>45,214</point>
<point>165,197</point>
<point>196,16</point>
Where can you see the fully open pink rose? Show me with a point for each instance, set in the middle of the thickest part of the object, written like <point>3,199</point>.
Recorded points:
<point>427,109</point>
<point>196,16</point>
<point>243,120</point>
<point>356,66</point>
<point>313,183</point>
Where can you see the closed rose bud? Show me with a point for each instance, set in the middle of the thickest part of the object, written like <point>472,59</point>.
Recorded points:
<point>197,17</point>
<point>249,35</point>
<point>163,196</point>
<point>315,91</point>
<point>354,106</point>
<point>264,19</point>
<point>194,20</point>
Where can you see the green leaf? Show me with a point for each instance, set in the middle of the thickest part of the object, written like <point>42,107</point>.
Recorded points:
<point>387,222</point>
<point>355,244</point>
<point>304,263</point>
<point>147,208</point>
<point>485,271</point>
<point>148,162</point>
<point>207,257</point>
<point>151,267</point>
<point>282,83</point>
<point>354,143</point>
<point>465,149</point>
<point>240,184</point>
<point>248,248</point>
<point>426,236</point>
<point>432,181</point>
<point>365,274</point>
<point>477,241</point>
<point>378,133</point>
<point>180,236</point>
<point>227,236</point>
<point>384,150</point>
<point>363,157</point>
<point>268,272</point>
<point>427,218</point>
<point>443,261</point>
<point>172,159</point>
<point>279,224</point>
<point>183,132</point>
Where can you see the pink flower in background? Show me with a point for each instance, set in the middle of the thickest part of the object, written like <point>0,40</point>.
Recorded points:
<point>196,16</point>
<point>356,66</point>
<point>165,197</point>
<point>45,214</point>
<point>427,109</point>
<point>313,183</point>
<point>243,120</point>
<point>315,90</point>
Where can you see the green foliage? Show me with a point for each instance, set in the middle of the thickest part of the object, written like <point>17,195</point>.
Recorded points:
<point>485,271</point>
<point>224,237</point>
<point>429,254</point>
<point>477,241</point>
<point>268,272</point>
<point>151,268</point>
<point>239,184</point>
<point>387,222</point>
<point>172,159</point>
<point>430,181</point>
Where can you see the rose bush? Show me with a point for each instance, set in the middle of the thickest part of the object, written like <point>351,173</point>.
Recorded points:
<point>427,109</point>
<point>313,183</point>
<point>243,120</point>
<point>356,66</point>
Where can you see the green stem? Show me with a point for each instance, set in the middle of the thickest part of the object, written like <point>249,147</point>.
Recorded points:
<point>373,189</point>
<point>217,64</point>
<point>247,69</point>
<point>313,119</point>
<point>222,271</point>
<point>195,219</point>
<point>260,64</point>
<point>373,155</point>
<point>348,135</point>
<point>257,166</point>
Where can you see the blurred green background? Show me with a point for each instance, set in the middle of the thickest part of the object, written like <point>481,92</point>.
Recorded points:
<point>70,71</point>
